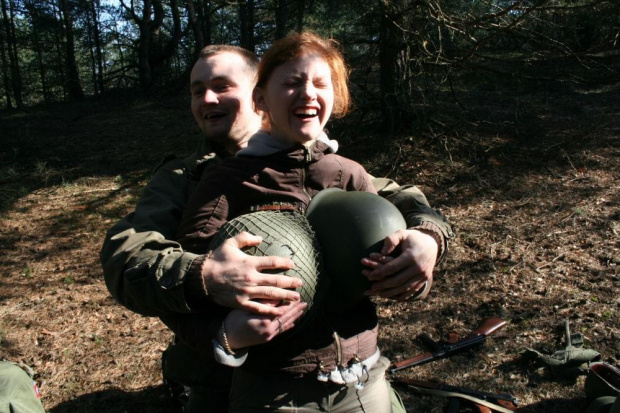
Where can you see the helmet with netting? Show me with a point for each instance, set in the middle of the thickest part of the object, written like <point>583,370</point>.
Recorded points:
<point>285,234</point>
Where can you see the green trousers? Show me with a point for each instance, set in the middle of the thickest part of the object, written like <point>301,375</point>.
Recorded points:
<point>210,385</point>
<point>18,392</point>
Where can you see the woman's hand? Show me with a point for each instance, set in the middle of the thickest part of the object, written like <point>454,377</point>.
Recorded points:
<point>401,277</point>
<point>244,329</point>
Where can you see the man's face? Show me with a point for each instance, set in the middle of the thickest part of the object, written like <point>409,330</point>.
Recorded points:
<point>299,98</point>
<point>221,89</point>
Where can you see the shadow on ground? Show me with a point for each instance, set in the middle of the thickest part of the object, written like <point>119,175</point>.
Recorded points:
<point>149,400</point>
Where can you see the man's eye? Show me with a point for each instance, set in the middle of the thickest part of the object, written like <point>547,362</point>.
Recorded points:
<point>198,92</point>
<point>222,87</point>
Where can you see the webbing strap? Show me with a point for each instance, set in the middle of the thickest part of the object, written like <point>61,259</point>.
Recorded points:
<point>476,400</point>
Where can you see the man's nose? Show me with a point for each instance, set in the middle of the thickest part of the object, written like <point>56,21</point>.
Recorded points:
<point>210,96</point>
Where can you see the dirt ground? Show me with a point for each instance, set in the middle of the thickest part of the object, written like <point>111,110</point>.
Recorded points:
<point>531,186</point>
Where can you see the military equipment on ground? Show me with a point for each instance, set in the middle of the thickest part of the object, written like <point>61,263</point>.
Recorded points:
<point>484,402</point>
<point>441,350</point>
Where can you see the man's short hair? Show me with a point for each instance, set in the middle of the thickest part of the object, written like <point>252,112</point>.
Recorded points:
<point>250,58</point>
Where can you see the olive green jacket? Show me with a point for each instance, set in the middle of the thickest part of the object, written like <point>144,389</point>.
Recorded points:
<point>147,272</point>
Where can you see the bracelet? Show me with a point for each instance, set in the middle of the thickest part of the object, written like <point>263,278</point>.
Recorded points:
<point>225,339</point>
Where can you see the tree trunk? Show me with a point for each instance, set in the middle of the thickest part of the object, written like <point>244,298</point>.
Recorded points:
<point>206,25</point>
<point>163,49</point>
<point>5,72</point>
<point>58,36</point>
<point>144,65</point>
<point>281,19</point>
<point>95,6</point>
<point>300,15</point>
<point>8,14</point>
<point>246,19</point>
<point>91,51</point>
<point>194,23</point>
<point>390,44</point>
<point>42,72</point>
<point>73,76</point>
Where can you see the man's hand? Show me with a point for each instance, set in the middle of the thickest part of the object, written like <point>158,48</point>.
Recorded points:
<point>234,279</point>
<point>245,329</point>
<point>401,277</point>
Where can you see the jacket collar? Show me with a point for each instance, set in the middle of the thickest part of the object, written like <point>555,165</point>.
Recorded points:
<point>263,144</point>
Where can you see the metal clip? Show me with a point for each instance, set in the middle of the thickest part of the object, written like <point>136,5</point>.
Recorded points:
<point>322,375</point>
<point>360,385</point>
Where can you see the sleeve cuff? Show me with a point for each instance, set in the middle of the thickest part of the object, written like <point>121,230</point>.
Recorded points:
<point>223,357</point>
<point>196,292</point>
<point>434,231</point>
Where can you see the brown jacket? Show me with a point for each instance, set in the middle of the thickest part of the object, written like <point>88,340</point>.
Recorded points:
<point>293,176</point>
<point>236,185</point>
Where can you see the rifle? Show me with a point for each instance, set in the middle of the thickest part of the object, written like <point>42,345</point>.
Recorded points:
<point>451,347</point>
<point>485,402</point>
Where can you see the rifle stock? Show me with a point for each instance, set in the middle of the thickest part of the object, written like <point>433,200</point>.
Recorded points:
<point>442,350</point>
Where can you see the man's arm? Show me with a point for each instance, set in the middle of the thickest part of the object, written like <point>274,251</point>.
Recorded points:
<point>420,247</point>
<point>150,274</point>
<point>143,269</point>
<point>416,210</point>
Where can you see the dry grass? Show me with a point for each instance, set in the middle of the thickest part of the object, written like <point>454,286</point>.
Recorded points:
<point>533,197</point>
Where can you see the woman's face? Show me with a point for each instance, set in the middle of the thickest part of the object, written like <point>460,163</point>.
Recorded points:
<point>298,98</point>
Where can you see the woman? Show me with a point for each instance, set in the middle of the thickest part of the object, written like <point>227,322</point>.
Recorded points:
<point>334,364</point>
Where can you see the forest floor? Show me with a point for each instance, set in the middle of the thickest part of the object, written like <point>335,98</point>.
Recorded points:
<point>530,184</point>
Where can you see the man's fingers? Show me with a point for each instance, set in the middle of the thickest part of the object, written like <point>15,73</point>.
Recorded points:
<point>245,239</point>
<point>273,293</point>
<point>277,281</point>
<point>273,263</point>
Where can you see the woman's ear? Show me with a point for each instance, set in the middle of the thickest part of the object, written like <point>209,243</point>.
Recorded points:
<point>259,99</point>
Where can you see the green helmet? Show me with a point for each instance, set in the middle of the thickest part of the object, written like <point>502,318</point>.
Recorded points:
<point>285,234</point>
<point>349,226</point>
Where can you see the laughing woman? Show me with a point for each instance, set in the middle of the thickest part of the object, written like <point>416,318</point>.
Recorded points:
<point>334,365</point>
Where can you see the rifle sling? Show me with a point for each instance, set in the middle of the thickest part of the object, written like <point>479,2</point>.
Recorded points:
<point>444,393</point>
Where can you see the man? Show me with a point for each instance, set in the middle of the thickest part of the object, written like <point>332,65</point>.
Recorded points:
<point>151,275</point>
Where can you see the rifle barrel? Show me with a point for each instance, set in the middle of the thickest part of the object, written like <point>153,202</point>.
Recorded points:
<point>447,350</point>
<point>442,350</point>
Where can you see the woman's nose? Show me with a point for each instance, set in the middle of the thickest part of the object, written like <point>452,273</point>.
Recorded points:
<point>309,91</point>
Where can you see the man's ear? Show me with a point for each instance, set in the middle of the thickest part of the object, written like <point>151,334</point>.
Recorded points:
<point>259,99</point>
